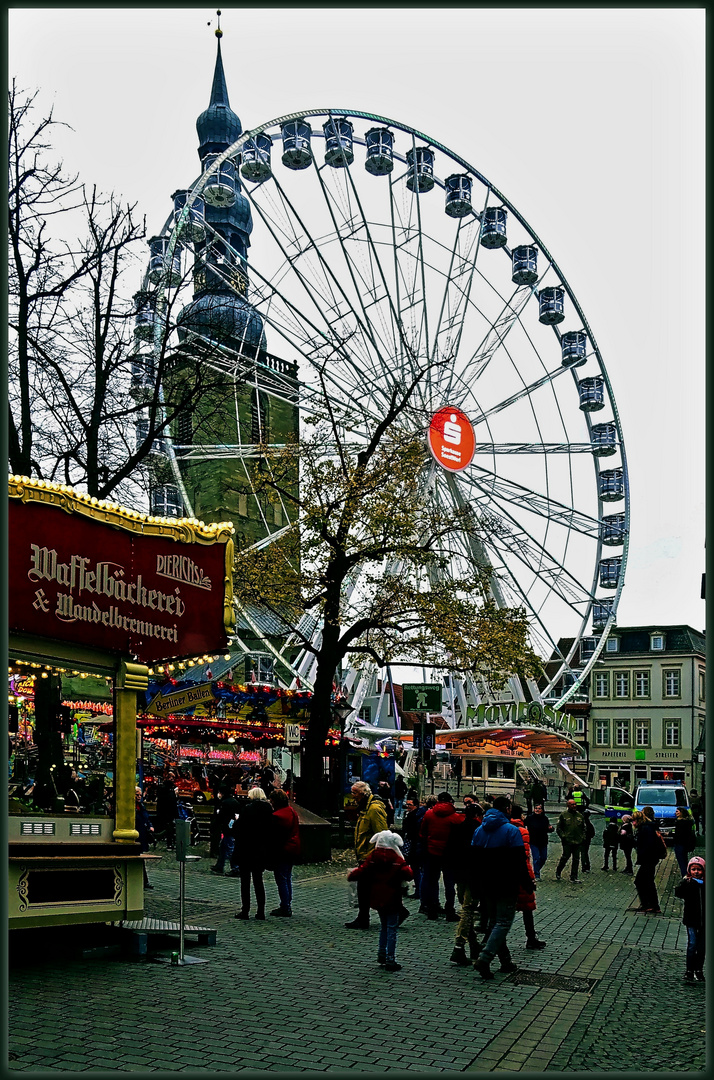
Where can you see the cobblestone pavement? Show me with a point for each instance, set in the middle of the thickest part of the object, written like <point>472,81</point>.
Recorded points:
<point>305,994</point>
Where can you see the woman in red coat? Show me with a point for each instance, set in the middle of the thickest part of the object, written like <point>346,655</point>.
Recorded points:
<point>526,901</point>
<point>286,837</point>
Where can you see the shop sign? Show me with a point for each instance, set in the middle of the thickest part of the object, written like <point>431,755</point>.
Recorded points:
<point>451,438</point>
<point>163,704</point>
<point>476,746</point>
<point>292,734</point>
<point>116,584</point>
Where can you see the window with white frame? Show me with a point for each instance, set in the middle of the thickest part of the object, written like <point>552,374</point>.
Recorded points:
<point>622,684</point>
<point>671,732</point>
<point>612,644</point>
<point>602,732</point>
<point>365,714</point>
<point>656,642</point>
<point>579,725</point>
<point>642,733</point>
<point>622,733</point>
<point>601,684</point>
<point>642,683</point>
<point>672,680</point>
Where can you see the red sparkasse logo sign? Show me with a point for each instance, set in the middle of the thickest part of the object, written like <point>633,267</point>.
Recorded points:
<point>451,438</point>
<point>77,579</point>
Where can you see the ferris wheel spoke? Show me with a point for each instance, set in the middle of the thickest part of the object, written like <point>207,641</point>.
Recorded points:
<point>504,323</point>
<point>534,448</point>
<point>525,392</point>
<point>491,486</point>
<point>349,318</point>
<point>368,279</point>
<point>457,292</point>
<point>321,286</point>
<point>409,275</point>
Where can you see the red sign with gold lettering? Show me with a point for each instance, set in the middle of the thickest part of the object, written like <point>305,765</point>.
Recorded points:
<point>78,579</point>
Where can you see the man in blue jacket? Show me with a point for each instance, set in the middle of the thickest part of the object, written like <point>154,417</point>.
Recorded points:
<point>499,869</point>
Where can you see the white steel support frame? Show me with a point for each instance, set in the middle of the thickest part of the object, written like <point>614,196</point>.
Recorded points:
<point>360,303</point>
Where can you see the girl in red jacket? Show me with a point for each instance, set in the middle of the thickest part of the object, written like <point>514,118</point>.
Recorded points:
<point>526,901</point>
<point>384,870</point>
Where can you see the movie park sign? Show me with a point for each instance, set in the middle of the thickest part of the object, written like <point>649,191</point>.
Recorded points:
<point>97,576</point>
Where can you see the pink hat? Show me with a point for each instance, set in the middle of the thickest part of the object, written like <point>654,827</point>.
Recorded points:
<point>696,860</point>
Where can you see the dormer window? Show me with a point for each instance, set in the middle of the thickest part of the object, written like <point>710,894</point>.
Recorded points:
<point>656,642</point>
<point>612,645</point>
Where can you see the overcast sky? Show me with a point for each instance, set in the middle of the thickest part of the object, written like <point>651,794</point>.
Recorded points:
<point>590,122</point>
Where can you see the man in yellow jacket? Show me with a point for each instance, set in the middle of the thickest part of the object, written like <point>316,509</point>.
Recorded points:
<point>371,819</point>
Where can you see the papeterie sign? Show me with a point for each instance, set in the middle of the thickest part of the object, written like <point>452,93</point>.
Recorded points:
<point>100,575</point>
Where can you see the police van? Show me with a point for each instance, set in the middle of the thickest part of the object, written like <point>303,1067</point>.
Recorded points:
<point>665,797</point>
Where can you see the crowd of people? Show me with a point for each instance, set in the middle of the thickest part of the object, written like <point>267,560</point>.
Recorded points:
<point>490,857</point>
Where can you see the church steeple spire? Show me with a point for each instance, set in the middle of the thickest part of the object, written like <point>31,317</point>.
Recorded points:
<point>219,90</point>
<point>218,126</point>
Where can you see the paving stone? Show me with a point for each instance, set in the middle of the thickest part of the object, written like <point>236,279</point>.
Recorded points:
<point>337,995</point>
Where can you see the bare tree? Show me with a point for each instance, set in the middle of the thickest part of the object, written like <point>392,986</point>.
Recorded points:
<point>89,405</point>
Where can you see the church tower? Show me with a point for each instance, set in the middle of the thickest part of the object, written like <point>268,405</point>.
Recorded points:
<point>213,442</point>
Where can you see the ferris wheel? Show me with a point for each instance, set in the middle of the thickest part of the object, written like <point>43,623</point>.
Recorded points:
<point>375,249</point>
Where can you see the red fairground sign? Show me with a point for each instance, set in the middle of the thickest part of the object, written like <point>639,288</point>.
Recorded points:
<point>451,438</point>
<point>102,576</point>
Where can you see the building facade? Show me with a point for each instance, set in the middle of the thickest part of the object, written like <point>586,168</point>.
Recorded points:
<point>647,706</point>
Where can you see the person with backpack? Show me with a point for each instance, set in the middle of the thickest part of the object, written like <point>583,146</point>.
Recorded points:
<point>648,845</point>
<point>684,839</point>
<point>691,890</point>
<point>382,873</point>
<point>627,841</point>
<point>610,843</point>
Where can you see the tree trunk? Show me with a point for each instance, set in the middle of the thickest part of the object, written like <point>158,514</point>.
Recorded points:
<point>314,789</point>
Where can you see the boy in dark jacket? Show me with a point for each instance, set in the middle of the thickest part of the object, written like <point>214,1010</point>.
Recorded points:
<point>383,871</point>
<point>691,890</point>
<point>500,870</point>
<point>610,844</point>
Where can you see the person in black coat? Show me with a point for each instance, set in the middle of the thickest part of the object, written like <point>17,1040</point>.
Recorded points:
<point>538,827</point>
<point>253,843</point>
<point>648,854</point>
<point>610,844</point>
<point>585,846</point>
<point>167,811</point>
<point>384,793</point>
<point>142,824</point>
<point>458,855</point>
<point>691,890</point>
<point>684,839</point>
<point>226,811</point>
